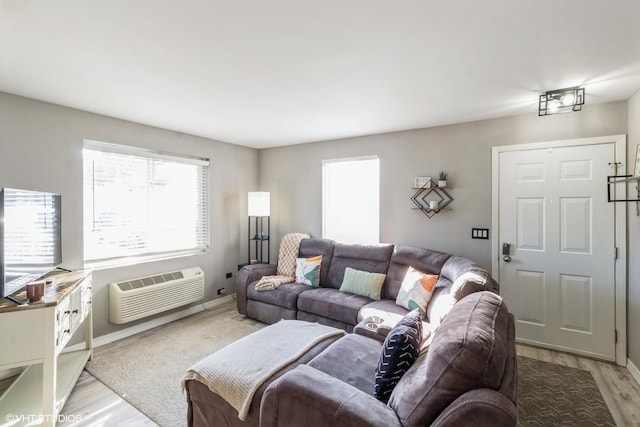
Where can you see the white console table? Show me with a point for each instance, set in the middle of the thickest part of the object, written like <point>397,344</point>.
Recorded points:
<point>34,336</point>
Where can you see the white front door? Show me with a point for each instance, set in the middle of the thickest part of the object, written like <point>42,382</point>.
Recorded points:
<point>558,275</point>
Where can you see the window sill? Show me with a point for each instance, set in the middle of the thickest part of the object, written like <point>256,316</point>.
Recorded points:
<point>138,259</point>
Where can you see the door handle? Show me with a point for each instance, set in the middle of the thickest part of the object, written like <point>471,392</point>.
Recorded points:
<point>506,251</point>
<point>506,248</point>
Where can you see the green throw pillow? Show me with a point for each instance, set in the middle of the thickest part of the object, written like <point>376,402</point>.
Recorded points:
<point>362,283</point>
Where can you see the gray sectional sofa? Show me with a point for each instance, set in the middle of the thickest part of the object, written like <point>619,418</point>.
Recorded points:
<point>328,305</point>
<point>466,374</point>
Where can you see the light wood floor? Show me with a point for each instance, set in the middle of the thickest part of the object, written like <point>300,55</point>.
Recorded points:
<point>93,404</point>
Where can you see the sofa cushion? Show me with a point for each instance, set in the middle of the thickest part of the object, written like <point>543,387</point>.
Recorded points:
<point>374,259</point>
<point>440,304</point>
<point>269,313</point>
<point>314,247</point>
<point>447,292</point>
<point>415,291</point>
<point>352,359</point>
<point>400,349</point>
<point>456,266</point>
<point>362,283</point>
<point>386,309</point>
<point>468,351</point>
<point>308,270</point>
<point>403,257</point>
<point>310,317</point>
<point>471,281</point>
<point>332,303</point>
<point>285,295</point>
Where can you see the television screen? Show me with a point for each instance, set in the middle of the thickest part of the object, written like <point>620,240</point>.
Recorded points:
<point>30,237</point>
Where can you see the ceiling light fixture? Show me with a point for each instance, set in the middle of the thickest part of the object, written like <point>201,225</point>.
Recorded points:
<point>561,101</point>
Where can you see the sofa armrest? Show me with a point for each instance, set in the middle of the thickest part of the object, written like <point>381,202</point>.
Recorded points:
<point>306,396</point>
<point>247,275</point>
<point>479,407</point>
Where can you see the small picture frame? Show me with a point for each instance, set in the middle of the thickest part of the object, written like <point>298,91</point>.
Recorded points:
<point>636,171</point>
<point>422,181</point>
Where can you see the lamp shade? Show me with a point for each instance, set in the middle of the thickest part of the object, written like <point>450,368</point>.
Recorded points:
<point>259,203</point>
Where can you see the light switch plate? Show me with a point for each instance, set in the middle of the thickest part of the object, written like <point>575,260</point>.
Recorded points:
<point>480,233</point>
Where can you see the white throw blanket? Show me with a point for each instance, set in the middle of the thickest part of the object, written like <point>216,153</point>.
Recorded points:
<point>236,371</point>
<point>286,273</point>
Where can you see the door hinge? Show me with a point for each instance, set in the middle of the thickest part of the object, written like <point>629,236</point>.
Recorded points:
<point>616,335</point>
<point>615,253</point>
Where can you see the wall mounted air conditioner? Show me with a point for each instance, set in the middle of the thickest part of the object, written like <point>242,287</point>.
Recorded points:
<point>138,298</point>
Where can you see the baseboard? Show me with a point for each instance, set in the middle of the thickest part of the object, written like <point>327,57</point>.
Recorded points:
<point>154,323</point>
<point>219,301</point>
<point>633,369</point>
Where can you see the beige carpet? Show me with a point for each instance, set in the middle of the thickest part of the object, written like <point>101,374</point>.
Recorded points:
<point>146,369</point>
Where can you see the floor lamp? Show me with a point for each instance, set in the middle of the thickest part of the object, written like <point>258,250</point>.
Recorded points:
<point>259,204</point>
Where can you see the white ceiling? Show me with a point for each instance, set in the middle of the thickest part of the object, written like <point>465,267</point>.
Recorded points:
<point>279,72</point>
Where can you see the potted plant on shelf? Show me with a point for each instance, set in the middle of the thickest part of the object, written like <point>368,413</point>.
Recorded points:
<point>442,179</point>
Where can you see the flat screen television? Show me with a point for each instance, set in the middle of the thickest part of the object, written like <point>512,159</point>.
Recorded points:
<point>30,237</point>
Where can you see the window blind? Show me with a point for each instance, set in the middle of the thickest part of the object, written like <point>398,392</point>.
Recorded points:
<point>142,203</point>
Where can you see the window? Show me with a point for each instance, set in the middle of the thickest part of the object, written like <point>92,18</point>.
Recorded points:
<point>351,200</point>
<point>142,203</point>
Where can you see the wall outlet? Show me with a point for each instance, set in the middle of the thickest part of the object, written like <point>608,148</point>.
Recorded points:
<point>228,275</point>
<point>222,291</point>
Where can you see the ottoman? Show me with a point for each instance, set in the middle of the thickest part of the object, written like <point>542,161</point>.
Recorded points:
<point>226,388</point>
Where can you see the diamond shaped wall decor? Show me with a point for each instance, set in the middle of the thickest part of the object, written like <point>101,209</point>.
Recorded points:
<point>425,194</point>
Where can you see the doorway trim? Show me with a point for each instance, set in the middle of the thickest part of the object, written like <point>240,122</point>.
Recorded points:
<point>620,219</point>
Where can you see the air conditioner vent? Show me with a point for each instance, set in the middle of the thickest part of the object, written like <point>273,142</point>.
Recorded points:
<point>148,281</point>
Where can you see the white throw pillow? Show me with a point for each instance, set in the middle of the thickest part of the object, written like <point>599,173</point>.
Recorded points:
<point>416,289</point>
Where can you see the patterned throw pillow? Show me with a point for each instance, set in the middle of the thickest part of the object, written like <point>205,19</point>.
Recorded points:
<point>308,270</point>
<point>400,350</point>
<point>416,289</point>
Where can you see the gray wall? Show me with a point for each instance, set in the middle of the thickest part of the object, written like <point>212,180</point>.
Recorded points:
<point>41,149</point>
<point>293,175</point>
<point>633,224</point>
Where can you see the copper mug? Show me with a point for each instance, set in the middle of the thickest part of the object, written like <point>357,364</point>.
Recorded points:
<point>35,291</point>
